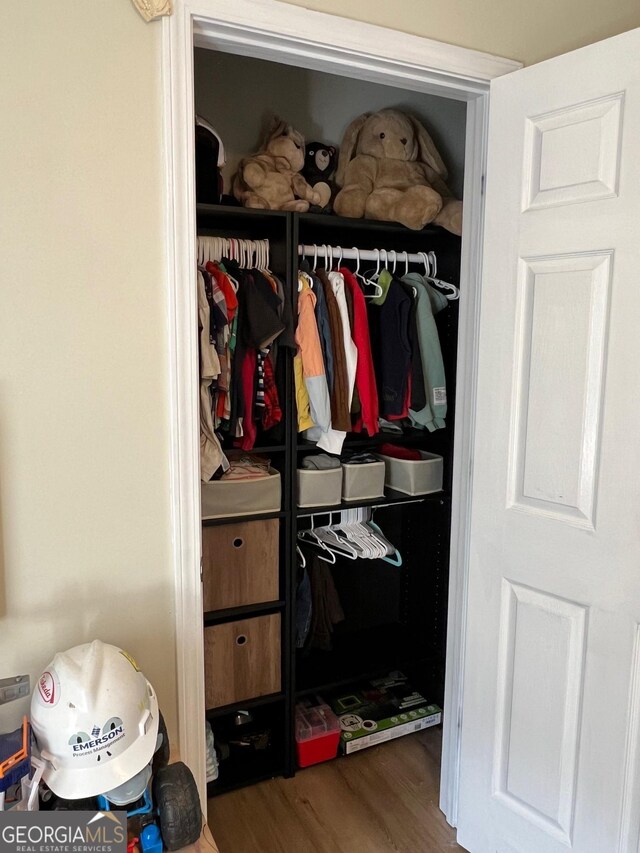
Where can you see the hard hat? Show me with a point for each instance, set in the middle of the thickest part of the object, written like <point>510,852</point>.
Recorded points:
<point>95,719</point>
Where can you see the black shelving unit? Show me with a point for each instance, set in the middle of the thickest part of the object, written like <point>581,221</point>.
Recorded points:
<point>395,616</point>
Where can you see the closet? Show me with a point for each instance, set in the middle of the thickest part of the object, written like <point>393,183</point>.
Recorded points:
<point>394,616</point>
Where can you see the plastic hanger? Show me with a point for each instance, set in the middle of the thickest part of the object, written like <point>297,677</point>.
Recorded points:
<point>301,556</point>
<point>431,269</point>
<point>357,273</point>
<point>398,557</point>
<point>312,538</point>
<point>373,281</point>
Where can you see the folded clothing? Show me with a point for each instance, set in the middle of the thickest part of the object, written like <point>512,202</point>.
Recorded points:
<point>320,462</point>
<point>400,452</point>
<point>247,466</point>
<point>351,457</point>
<point>389,426</point>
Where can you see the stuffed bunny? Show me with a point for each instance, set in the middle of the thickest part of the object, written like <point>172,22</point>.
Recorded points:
<point>271,178</point>
<point>390,169</point>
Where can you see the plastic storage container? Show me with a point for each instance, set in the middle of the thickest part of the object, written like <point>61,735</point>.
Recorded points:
<point>319,487</point>
<point>222,499</point>
<point>414,477</point>
<point>317,734</point>
<point>362,482</point>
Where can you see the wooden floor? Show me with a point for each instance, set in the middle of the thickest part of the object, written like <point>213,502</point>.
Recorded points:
<point>381,800</point>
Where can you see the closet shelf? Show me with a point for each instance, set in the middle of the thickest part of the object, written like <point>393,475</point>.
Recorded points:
<point>247,705</point>
<point>390,497</point>
<point>233,213</point>
<point>268,448</point>
<point>342,224</point>
<point>359,440</point>
<point>233,519</point>
<point>359,656</point>
<point>263,768</point>
<point>230,614</point>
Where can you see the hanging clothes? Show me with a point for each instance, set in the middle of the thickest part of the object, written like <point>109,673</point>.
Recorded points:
<point>322,321</point>
<point>326,609</point>
<point>418,392</point>
<point>247,315</point>
<point>432,415</point>
<point>308,341</point>
<point>389,325</point>
<point>212,456</point>
<point>365,374</point>
<point>332,439</point>
<point>303,406</point>
<point>340,398</point>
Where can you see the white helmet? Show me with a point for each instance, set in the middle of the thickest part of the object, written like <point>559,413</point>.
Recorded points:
<point>95,720</point>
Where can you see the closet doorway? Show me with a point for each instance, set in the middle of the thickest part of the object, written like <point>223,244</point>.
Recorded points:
<point>363,57</point>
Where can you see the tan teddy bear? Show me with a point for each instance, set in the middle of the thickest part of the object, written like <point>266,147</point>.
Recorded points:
<point>271,179</point>
<point>389,169</point>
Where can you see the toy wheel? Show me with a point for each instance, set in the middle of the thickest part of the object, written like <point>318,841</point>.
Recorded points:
<point>178,805</point>
<point>161,756</point>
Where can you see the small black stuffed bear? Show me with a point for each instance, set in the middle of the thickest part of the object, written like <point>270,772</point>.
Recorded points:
<point>319,165</point>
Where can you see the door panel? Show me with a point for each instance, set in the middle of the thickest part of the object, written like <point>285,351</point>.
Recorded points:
<point>551,713</point>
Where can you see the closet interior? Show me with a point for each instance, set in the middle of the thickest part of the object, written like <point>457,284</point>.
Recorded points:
<point>263,534</point>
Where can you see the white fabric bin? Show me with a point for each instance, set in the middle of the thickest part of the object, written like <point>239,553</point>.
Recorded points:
<point>414,477</point>
<point>363,481</point>
<point>319,487</point>
<point>225,498</point>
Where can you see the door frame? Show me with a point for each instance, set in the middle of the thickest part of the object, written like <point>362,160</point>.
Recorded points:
<point>278,31</point>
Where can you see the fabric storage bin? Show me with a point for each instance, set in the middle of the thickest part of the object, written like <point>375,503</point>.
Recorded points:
<point>317,734</point>
<point>240,564</point>
<point>362,481</point>
<point>242,660</point>
<point>414,477</point>
<point>222,499</point>
<point>319,487</point>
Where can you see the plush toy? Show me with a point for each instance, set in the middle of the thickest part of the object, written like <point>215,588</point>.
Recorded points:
<point>319,166</point>
<point>390,169</point>
<point>271,179</point>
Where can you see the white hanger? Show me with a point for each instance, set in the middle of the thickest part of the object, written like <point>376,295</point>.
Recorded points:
<point>312,538</point>
<point>452,292</point>
<point>303,559</point>
<point>357,272</point>
<point>373,281</point>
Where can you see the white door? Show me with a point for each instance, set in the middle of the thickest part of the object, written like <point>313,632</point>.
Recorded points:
<point>551,713</point>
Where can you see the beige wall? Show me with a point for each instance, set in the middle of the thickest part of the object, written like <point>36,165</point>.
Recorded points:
<point>528,30</point>
<point>84,498</point>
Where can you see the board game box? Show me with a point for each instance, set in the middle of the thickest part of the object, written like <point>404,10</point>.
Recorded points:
<point>371,712</point>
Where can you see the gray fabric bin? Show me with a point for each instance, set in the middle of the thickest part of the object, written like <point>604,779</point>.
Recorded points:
<point>319,487</point>
<point>225,498</point>
<point>414,477</point>
<point>362,482</point>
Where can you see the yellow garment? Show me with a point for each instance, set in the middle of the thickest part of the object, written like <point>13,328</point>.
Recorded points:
<point>302,396</point>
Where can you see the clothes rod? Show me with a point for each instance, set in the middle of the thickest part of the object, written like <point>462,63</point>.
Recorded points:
<point>382,255</point>
<point>356,505</point>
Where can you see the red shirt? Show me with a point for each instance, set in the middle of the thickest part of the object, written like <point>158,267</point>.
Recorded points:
<point>365,375</point>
